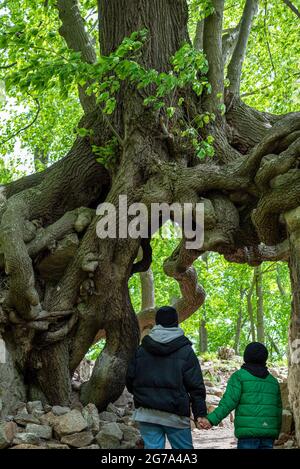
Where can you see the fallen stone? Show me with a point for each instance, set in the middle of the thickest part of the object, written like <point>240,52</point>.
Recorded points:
<point>24,419</point>
<point>49,419</point>
<point>41,431</point>
<point>130,433</point>
<point>72,422</point>
<point>21,408</point>
<point>78,440</point>
<point>60,410</point>
<point>90,414</point>
<point>38,413</point>
<point>27,438</point>
<point>110,436</point>
<point>114,409</point>
<point>47,408</point>
<point>125,399</point>
<point>8,431</point>
<point>34,405</point>
<point>108,416</point>
<point>27,446</point>
<point>55,445</point>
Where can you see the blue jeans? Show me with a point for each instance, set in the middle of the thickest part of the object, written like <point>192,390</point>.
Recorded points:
<point>154,436</point>
<point>255,443</point>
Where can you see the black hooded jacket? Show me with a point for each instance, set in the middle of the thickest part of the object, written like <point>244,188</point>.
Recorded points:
<point>167,377</point>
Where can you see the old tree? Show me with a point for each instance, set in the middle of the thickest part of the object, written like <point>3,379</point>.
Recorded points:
<point>162,122</point>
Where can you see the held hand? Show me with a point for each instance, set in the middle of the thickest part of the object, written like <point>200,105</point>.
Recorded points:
<point>203,423</point>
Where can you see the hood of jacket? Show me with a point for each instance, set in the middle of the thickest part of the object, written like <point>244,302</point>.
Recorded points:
<point>164,340</point>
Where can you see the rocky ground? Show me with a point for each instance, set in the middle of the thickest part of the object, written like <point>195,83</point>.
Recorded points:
<point>34,426</point>
<point>37,426</point>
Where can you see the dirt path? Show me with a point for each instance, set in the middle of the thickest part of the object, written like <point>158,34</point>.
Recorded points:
<point>216,438</point>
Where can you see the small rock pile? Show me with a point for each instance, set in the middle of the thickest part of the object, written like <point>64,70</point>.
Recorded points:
<point>34,426</point>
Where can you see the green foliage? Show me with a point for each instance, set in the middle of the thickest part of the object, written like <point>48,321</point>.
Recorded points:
<point>95,350</point>
<point>107,154</point>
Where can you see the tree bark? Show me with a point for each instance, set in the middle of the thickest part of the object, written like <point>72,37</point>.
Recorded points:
<point>292,220</point>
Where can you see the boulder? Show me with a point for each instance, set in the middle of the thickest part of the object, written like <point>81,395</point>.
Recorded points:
<point>90,414</point>
<point>78,440</point>
<point>130,433</point>
<point>60,410</point>
<point>110,436</point>
<point>34,405</point>
<point>8,431</point>
<point>72,422</point>
<point>124,400</point>
<point>41,431</point>
<point>108,416</point>
<point>21,408</point>
<point>49,419</point>
<point>27,438</point>
<point>25,419</point>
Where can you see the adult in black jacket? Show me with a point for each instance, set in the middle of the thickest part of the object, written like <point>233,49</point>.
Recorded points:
<point>166,381</point>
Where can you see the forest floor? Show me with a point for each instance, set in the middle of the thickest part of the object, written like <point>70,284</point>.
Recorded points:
<point>216,438</point>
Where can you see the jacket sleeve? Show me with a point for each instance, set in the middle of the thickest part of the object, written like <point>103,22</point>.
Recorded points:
<point>229,401</point>
<point>130,375</point>
<point>193,382</point>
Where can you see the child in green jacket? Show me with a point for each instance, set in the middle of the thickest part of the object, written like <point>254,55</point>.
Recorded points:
<point>255,395</point>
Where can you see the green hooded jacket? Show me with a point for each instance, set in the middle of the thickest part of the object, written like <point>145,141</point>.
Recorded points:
<point>257,404</point>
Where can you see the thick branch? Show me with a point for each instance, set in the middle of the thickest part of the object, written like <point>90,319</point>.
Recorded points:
<point>198,39</point>
<point>77,38</point>
<point>212,46</point>
<point>239,53</point>
<point>257,254</point>
<point>229,41</point>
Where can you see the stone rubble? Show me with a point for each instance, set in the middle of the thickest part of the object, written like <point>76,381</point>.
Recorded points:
<point>34,426</point>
